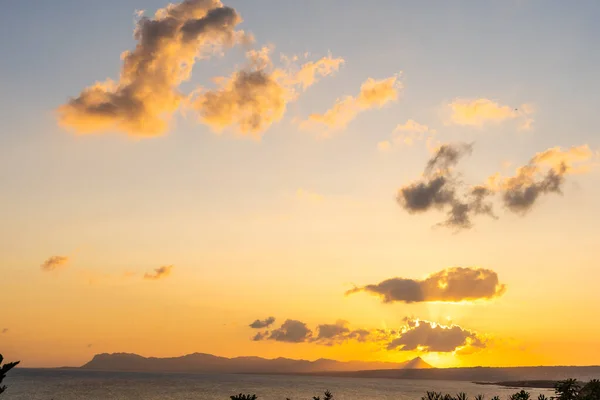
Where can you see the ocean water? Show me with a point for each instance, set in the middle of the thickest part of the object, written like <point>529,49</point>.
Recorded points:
<point>39,384</point>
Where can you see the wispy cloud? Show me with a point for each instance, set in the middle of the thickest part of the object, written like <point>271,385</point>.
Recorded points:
<point>55,262</point>
<point>159,273</point>
<point>373,94</point>
<point>146,95</point>
<point>480,112</point>
<point>5,330</point>
<point>408,134</point>
<point>454,284</point>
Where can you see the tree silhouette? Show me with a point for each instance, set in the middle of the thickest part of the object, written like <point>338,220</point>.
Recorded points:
<point>3,370</point>
<point>522,395</point>
<point>591,390</point>
<point>567,389</point>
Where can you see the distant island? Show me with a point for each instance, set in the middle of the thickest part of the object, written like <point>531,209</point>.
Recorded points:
<point>416,368</point>
<point>208,363</point>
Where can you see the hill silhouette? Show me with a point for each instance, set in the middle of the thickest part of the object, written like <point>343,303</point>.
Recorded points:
<point>208,363</point>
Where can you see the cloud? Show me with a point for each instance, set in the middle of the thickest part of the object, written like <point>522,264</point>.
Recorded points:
<point>159,273</point>
<point>450,285</point>
<point>439,189</point>
<point>480,112</point>
<point>373,94</point>
<point>407,134</point>
<point>5,330</point>
<point>146,95</point>
<point>254,98</point>
<point>428,336</point>
<point>54,262</point>
<point>265,323</point>
<point>291,331</point>
<point>340,332</point>
<point>545,173</point>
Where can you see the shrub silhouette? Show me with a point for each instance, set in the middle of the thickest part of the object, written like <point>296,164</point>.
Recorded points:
<point>591,390</point>
<point>522,395</point>
<point>243,397</point>
<point>3,370</point>
<point>327,396</point>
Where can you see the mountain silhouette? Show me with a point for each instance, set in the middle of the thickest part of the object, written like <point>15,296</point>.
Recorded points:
<point>208,363</point>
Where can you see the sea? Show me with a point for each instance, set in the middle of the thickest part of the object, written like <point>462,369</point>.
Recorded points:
<point>57,384</point>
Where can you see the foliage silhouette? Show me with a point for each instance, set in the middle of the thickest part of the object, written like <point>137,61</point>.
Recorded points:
<point>243,397</point>
<point>522,395</point>
<point>567,389</point>
<point>3,370</point>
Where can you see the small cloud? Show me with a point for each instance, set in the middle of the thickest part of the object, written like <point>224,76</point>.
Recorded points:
<point>291,331</point>
<point>89,345</point>
<point>260,324</point>
<point>408,134</point>
<point>55,262</point>
<point>480,112</point>
<point>449,285</point>
<point>5,330</point>
<point>426,336</point>
<point>159,273</point>
<point>373,94</point>
<point>309,196</point>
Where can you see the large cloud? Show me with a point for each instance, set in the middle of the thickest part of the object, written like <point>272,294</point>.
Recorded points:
<point>545,173</point>
<point>439,188</point>
<point>159,273</point>
<point>146,95</point>
<point>428,336</point>
<point>479,112</point>
<point>54,263</point>
<point>252,99</point>
<point>260,324</point>
<point>373,94</point>
<point>451,285</point>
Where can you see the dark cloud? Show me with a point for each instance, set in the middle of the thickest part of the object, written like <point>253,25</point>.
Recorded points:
<point>440,189</point>
<point>430,337</point>
<point>146,95</point>
<point>159,273</point>
<point>260,324</point>
<point>5,330</point>
<point>521,193</point>
<point>54,263</point>
<point>292,331</point>
<point>451,285</point>
<point>340,332</point>
<point>447,156</point>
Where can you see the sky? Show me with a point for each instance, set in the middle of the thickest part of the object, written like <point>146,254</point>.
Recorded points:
<point>300,179</point>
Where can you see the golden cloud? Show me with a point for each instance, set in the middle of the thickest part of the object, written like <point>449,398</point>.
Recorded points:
<point>253,99</point>
<point>146,95</point>
<point>480,112</point>
<point>373,94</point>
